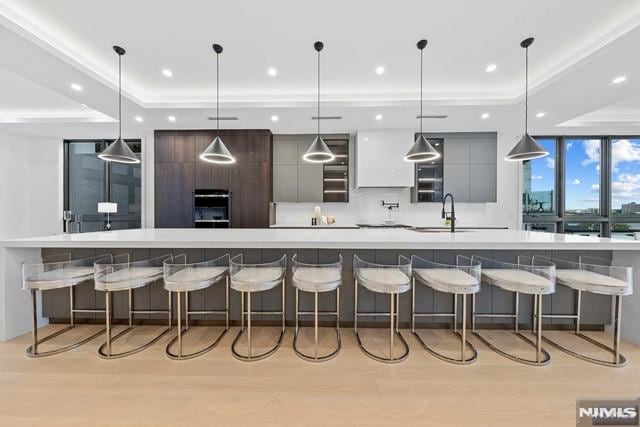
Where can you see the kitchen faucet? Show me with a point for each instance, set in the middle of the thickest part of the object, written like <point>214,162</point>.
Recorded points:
<point>452,213</point>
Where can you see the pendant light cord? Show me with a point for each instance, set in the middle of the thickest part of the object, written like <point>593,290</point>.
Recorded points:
<point>421,61</point>
<point>318,93</point>
<point>526,91</point>
<point>218,93</point>
<point>120,95</point>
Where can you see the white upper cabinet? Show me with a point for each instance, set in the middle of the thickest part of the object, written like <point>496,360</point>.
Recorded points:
<point>380,160</point>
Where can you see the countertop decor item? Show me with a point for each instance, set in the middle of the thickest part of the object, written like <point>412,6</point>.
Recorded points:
<point>422,150</point>
<point>217,152</point>
<point>108,208</point>
<point>318,151</point>
<point>527,148</point>
<point>118,151</point>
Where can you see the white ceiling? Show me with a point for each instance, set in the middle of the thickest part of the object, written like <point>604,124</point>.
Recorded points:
<point>580,46</point>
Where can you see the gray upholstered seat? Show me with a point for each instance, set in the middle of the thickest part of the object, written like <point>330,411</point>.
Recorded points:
<point>590,281</point>
<point>193,278</point>
<point>385,280</point>
<point>450,280</point>
<point>515,280</point>
<point>256,279</point>
<point>317,279</point>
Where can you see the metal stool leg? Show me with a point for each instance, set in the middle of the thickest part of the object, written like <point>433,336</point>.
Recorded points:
<point>392,334</point>
<point>250,356</point>
<point>105,350</point>
<point>542,357</point>
<point>618,360</point>
<point>316,313</point>
<point>32,350</point>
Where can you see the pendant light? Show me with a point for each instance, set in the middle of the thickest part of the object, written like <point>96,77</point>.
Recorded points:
<point>118,151</point>
<point>318,151</point>
<point>527,148</point>
<point>422,150</point>
<point>217,152</point>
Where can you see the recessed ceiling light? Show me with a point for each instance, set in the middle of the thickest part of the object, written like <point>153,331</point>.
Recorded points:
<point>172,118</point>
<point>272,72</point>
<point>167,72</point>
<point>619,80</point>
<point>76,87</point>
<point>139,119</point>
<point>491,68</point>
<point>541,114</point>
<point>275,118</point>
<point>485,115</point>
<point>378,116</point>
<point>379,69</point>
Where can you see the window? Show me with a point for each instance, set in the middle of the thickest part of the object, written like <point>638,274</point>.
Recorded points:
<point>624,231</point>
<point>582,176</point>
<point>599,191</point>
<point>89,180</point>
<point>625,177</point>
<point>539,195</point>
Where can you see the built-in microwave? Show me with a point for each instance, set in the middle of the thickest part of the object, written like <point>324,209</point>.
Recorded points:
<point>211,208</point>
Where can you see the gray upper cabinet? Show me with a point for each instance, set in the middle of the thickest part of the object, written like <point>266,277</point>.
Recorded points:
<point>470,168</point>
<point>295,180</point>
<point>310,182</point>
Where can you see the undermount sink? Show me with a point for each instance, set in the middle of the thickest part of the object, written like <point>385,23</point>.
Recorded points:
<point>434,230</point>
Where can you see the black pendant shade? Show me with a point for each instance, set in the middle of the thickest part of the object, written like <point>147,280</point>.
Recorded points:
<point>118,151</point>
<point>422,150</point>
<point>217,152</point>
<point>318,151</point>
<point>527,148</point>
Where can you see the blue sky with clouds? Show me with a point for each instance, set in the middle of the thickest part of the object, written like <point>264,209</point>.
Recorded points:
<point>582,180</point>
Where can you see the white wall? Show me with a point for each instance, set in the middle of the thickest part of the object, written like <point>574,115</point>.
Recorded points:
<point>31,189</point>
<point>364,205</point>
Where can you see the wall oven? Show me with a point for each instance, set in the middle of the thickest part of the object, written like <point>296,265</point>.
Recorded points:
<point>211,208</point>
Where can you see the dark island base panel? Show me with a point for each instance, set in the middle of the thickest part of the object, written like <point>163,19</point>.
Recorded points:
<point>596,309</point>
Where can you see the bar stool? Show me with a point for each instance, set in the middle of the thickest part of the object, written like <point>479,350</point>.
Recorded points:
<point>125,275</point>
<point>384,279</point>
<point>526,277</point>
<point>317,278</point>
<point>463,279</point>
<point>181,278</point>
<point>251,278</point>
<point>597,276</point>
<point>56,272</point>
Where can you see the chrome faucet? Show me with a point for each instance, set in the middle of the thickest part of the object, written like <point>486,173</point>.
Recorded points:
<point>452,214</point>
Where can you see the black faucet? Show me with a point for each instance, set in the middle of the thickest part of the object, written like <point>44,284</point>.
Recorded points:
<point>452,213</point>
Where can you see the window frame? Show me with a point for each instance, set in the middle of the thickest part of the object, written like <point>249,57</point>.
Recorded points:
<point>606,219</point>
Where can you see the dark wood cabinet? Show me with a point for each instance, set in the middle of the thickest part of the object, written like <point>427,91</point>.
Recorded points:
<point>179,171</point>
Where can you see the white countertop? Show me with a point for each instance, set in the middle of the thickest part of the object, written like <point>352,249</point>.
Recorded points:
<point>322,239</point>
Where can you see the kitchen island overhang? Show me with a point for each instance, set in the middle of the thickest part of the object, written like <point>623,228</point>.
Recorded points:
<point>319,245</point>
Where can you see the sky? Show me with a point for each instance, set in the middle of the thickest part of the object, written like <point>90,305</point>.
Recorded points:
<point>582,180</point>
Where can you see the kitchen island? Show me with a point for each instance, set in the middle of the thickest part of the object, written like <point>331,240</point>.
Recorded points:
<point>316,246</point>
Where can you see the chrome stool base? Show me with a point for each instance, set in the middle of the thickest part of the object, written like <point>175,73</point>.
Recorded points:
<point>32,350</point>
<point>394,330</point>
<point>105,349</point>
<point>182,331</point>
<point>457,361</point>
<point>250,357</point>
<point>618,359</point>
<point>316,313</point>
<point>542,361</point>
<point>464,343</point>
<point>542,356</point>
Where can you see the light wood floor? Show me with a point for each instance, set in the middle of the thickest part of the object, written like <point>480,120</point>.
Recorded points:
<point>79,389</point>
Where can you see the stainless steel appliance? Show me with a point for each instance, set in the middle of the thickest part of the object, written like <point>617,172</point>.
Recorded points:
<point>211,208</point>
